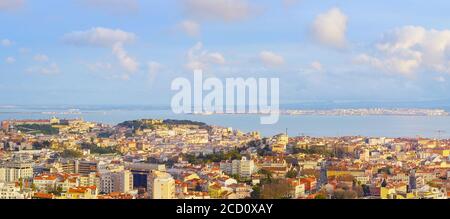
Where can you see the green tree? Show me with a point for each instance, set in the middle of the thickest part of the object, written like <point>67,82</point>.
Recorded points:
<point>20,183</point>
<point>57,191</point>
<point>267,174</point>
<point>38,129</point>
<point>94,149</point>
<point>256,192</point>
<point>67,153</point>
<point>33,187</point>
<point>320,196</point>
<point>344,194</point>
<point>41,145</point>
<point>279,189</point>
<point>292,174</point>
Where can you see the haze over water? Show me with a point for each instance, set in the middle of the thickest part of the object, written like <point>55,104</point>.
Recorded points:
<point>311,125</point>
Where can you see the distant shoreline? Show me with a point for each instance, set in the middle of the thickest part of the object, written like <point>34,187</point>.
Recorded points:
<point>350,112</point>
<point>432,112</point>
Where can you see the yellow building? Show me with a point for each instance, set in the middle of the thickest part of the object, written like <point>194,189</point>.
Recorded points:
<point>81,193</point>
<point>396,192</point>
<point>190,176</point>
<point>355,173</point>
<point>215,190</point>
<point>54,120</point>
<point>279,143</point>
<point>160,185</point>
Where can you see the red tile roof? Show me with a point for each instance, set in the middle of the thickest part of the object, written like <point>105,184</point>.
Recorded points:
<point>45,177</point>
<point>43,195</point>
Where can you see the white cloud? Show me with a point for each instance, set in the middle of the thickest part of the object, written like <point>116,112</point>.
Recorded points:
<point>41,58</point>
<point>99,67</point>
<point>107,70</point>
<point>10,60</point>
<point>99,36</point>
<point>124,77</point>
<point>405,66</point>
<point>216,58</point>
<point>312,70</point>
<point>108,38</point>
<point>271,59</point>
<point>6,42</point>
<point>195,65</point>
<point>440,79</point>
<point>11,4</point>
<point>127,62</point>
<point>316,66</point>
<point>225,10</point>
<point>410,49</point>
<point>114,6</point>
<point>190,27</point>
<point>154,67</point>
<point>51,69</point>
<point>24,51</point>
<point>198,58</point>
<point>330,28</point>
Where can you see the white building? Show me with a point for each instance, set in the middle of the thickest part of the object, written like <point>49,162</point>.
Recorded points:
<point>116,181</point>
<point>13,171</point>
<point>298,190</point>
<point>89,180</point>
<point>45,182</point>
<point>11,191</point>
<point>376,141</point>
<point>428,192</point>
<point>160,185</point>
<point>365,155</point>
<point>2,174</point>
<point>244,167</point>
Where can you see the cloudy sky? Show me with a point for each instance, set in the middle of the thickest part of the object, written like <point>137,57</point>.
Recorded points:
<point>129,51</point>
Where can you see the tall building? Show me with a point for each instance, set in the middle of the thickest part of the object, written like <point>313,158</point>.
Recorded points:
<point>91,179</point>
<point>141,173</point>
<point>2,174</point>
<point>86,167</point>
<point>14,170</point>
<point>5,125</point>
<point>161,185</point>
<point>412,180</point>
<point>243,168</point>
<point>365,155</point>
<point>70,166</point>
<point>246,167</point>
<point>323,179</point>
<point>116,181</point>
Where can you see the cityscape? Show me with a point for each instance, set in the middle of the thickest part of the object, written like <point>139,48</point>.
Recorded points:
<point>224,107</point>
<point>181,159</point>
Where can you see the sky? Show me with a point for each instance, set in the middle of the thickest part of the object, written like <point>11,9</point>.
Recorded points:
<point>129,51</point>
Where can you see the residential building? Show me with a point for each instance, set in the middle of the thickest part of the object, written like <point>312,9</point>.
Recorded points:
<point>116,181</point>
<point>161,185</point>
<point>14,170</point>
<point>13,191</point>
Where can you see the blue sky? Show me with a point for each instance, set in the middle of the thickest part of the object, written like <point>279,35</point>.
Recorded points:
<point>129,51</point>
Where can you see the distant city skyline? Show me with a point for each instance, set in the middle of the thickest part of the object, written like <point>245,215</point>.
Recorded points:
<point>128,51</point>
